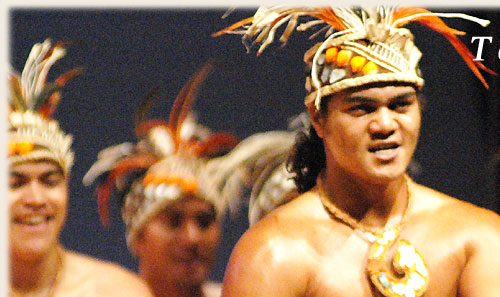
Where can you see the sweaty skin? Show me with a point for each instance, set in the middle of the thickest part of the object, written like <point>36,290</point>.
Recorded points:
<point>370,135</point>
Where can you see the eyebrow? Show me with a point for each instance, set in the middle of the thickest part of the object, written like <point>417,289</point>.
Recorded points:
<point>53,172</point>
<point>361,99</point>
<point>44,175</point>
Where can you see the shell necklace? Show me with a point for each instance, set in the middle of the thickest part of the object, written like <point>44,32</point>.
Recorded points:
<point>412,278</point>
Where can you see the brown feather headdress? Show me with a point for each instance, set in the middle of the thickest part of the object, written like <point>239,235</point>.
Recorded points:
<point>361,46</point>
<point>164,165</point>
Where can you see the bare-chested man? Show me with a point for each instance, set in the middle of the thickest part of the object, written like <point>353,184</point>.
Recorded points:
<point>336,239</point>
<point>40,158</point>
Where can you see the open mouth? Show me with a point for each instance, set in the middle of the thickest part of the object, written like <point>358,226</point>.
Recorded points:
<point>384,149</point>
<point>33,220</point>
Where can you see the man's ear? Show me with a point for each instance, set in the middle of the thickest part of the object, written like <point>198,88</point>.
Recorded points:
<point>316,120</point>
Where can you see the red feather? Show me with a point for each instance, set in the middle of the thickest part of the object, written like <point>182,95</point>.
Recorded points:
<point>47,109</point>
<point>233,27</point>
<point>143,128</point>
<point>214,143</point>
<point>126,165</point>
<point>436,24</point>
<point>327,15</point>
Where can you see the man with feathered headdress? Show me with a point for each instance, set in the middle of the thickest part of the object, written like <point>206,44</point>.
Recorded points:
<point>169,201</point>
<point>40,159</point>
<point>362,227</point>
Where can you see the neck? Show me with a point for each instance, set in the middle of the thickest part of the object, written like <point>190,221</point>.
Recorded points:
<point>35,276</point>
<point>373,205</point>
<point>176,290</point>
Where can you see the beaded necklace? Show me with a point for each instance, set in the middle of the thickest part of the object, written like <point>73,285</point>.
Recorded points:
<point>60,264</point>
<point>406,261</point>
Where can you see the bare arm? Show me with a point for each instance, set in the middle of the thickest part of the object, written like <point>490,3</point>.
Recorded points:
<point>481,274</point>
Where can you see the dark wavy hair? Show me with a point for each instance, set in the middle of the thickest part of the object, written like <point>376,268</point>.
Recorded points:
<point>306,159</point>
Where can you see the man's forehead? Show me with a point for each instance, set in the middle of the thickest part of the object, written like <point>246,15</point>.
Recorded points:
<point>388,92</point>
<point>189,204</point>
<point>38,166</point>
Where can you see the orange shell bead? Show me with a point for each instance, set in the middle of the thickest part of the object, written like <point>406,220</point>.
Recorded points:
<point>343,57</point>
<point>189,185</point>
<point>159,178</point>
<point>331,54</point>
<point>24,147</point>
<point>357,63</point>
<point>12,148</point>
<point>173,180</point>
<point>370,68</point>
<point>147,179</point>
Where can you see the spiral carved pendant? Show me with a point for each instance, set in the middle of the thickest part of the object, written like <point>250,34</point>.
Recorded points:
<point>411,277</point>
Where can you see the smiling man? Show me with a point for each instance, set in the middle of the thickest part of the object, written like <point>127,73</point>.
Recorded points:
<point>362,227</point>
<point>40,158</point>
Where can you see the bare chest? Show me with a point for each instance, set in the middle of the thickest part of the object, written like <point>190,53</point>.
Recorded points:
<point>340,267</point>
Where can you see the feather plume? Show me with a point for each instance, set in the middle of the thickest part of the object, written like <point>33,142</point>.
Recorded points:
<point>123,167</point>
<point>213,144</point>
<point>157,139</point>
<point>182,104</point>
<point>31,91</point>
<point>106,160</point>
<point>16,100</point>
<point>405,15</point>
<point>52,91</point>
<point>346,20</point>
<point>236,173</point>
<point>142,125</point>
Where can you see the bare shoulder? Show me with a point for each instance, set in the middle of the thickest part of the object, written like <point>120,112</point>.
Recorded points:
<point>281,231</point>
<point>469,220</point>
<point>287,226</point>
<point>273,255</point>
<point>105,278</point>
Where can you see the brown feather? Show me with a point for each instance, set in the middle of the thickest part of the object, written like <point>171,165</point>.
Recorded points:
<point>126,165</point>
<point>182,104</point>
<point>214,144</point>
<point>142,111</point>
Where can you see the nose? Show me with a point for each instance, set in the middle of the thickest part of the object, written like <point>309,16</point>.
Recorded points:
<point>191,233</point>
<point>383,124</point>
<point>34,197</point>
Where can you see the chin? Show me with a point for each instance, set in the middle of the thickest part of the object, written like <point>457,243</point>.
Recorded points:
<point>31,249</point>
<point>192,280</point>
<point>384,175</point>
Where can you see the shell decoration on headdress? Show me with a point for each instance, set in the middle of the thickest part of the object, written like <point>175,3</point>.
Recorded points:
<point>33,133</point>
<point>164,165</point>
<point>362,45</point>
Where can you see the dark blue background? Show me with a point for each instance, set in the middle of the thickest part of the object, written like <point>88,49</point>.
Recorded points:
<point>126,52</point>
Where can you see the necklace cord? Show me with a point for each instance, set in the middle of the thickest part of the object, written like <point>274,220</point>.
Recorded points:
<point>55,281</point>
